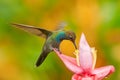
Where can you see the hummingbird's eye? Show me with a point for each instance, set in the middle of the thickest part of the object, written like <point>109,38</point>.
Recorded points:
<point>70,37</point>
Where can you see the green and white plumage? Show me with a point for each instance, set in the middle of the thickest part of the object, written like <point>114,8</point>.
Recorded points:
<point>53,38</point>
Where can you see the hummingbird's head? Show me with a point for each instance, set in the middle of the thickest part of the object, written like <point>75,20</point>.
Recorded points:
<point>71,36</point>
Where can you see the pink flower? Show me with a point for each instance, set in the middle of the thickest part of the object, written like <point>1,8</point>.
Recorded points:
<point>83,65</point>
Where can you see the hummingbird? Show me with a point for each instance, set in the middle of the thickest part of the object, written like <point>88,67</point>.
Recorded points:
<point>53,38</point>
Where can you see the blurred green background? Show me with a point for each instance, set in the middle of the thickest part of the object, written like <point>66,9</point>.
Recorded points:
<point>98,19</point>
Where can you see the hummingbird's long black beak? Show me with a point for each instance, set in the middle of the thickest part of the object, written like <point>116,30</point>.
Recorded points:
<point>75,44</point>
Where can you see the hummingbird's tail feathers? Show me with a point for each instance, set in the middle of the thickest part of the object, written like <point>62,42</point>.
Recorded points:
<point>41,58</point>
<point>34,30</point>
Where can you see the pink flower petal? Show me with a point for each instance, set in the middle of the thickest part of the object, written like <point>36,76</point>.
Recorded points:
<point>86,58</point>
<point>80,77</point>
<point>76,77</point>
<point>69,62</point>
<point>88,78</point>
<point>103,71</point>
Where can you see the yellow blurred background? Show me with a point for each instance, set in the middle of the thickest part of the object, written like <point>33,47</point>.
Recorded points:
<point>99,20</point>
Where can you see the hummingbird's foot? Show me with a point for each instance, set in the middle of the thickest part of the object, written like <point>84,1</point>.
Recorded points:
<point>58,50</point>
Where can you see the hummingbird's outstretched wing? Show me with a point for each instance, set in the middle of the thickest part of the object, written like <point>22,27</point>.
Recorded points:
<point>34,30</point>
<point>61,26</point>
